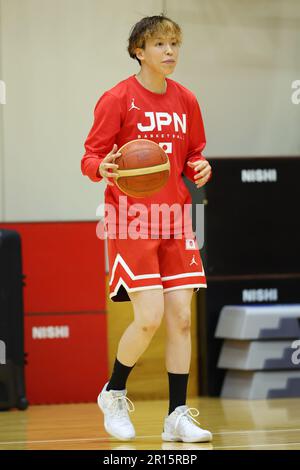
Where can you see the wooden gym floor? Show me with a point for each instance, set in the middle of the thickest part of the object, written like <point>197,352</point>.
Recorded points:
<point>235,424</point>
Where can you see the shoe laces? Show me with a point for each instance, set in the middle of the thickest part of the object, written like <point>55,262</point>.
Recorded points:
<point>121,405</point>
<point>189,414</point>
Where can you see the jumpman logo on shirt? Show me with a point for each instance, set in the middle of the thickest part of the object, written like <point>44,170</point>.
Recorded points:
<point>193,261</point>
<point>133,106</point>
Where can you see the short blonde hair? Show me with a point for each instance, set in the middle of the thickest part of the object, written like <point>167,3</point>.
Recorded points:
<point>149,27</point>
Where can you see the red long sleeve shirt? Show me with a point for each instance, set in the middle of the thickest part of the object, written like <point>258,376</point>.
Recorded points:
<point>128,111</point>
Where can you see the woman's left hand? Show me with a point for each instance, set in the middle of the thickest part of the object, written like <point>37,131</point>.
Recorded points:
<point>203,169</point>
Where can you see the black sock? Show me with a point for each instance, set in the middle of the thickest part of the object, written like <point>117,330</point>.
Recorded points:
<point>177,390</point>
<point>119,376</point>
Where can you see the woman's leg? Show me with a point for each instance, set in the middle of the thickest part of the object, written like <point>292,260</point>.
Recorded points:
<point>148,308</point>
<point>178,328</point>
<point>148,312</point>
<point>178,343</point>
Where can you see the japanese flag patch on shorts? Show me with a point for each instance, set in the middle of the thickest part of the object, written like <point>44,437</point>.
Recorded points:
<point>190,244</point>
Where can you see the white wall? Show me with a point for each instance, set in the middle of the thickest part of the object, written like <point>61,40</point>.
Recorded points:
<point>59,56</point>
<point>240,57</point>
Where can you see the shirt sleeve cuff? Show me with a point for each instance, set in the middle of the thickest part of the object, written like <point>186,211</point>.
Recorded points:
<point>90,168</point>
<point>188,171</point>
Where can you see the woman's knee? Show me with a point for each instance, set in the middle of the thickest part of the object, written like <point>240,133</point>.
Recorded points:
<point>181,320</point>
<point>148,309</point>
<point>178,318</point>
<point>150,324</point>
<point>178,311</point>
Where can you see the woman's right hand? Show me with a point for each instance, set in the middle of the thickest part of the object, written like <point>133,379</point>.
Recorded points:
<point>107,163</point>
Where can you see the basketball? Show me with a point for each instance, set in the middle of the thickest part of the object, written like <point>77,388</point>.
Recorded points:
<point>144,168</point>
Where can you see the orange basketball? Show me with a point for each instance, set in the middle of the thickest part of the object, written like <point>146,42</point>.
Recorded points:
<point>144,168</point>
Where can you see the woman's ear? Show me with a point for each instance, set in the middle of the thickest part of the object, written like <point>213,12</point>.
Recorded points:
<point>139,53</point>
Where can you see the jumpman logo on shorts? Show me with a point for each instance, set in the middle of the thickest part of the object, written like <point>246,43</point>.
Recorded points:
<point>133,106</point>
<point>193,261</point>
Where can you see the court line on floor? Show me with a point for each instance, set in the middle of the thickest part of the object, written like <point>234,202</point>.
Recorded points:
<point>103,439</point>
<point>81,439</point>
<point>255,431</point>
<point>257,445</point>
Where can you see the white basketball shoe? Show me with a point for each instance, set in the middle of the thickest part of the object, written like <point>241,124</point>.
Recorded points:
<point>180,426</point>
<point>115,406</point>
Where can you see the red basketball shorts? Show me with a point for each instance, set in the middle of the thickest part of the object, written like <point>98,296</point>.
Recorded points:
<point>168,264</point>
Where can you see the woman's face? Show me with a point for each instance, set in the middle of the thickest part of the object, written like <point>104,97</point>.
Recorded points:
<point>160,54</point>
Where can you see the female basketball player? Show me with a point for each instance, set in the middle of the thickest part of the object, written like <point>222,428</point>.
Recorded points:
<point>158,274</point>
